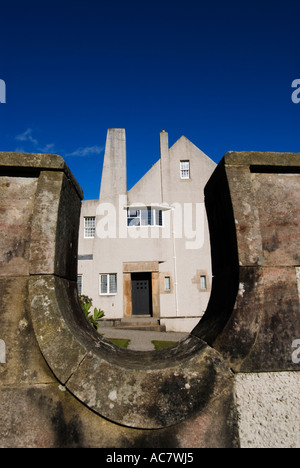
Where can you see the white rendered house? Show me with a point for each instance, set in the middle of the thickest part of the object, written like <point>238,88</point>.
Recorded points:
<point>146,252</point>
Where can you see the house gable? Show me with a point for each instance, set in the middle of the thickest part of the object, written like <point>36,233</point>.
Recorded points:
<point>160,183</point>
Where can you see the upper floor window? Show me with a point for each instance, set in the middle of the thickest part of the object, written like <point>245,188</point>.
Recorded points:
<point>184,169</point>
<point>144,217</point>
<point>89,227</point>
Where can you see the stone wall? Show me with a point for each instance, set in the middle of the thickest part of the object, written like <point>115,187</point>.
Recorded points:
<point>269,409</point>
<point>231,383</point>
<point>253,204</point>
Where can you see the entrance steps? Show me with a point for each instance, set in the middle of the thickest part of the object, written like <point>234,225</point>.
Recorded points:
<point>141,323</point>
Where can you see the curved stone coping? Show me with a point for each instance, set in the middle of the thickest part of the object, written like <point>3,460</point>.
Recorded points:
<point>150,390</point>
<point>252,202</point>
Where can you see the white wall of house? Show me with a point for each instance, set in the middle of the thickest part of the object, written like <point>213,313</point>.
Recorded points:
<point>179,249</point>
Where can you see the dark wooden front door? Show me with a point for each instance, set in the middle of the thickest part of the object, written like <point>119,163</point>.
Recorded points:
<point>141,293</point>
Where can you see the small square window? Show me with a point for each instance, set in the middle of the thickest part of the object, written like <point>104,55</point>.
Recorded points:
<point>108,283</point>
<point>203,282</point>
<point>133,217</point>
<point>89,227</point>
<point>184,169</point>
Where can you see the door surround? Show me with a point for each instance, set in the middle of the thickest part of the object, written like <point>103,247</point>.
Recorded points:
<point>141,267</point>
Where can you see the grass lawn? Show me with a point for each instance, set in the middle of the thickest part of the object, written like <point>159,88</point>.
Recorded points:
<point>122,343</point>
<point>162,344</point>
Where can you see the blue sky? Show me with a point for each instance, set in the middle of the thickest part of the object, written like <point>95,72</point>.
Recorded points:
<point>218,72</point>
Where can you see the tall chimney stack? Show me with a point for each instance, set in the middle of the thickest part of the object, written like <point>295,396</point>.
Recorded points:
<point>164,160</point>
<point>114,176</point>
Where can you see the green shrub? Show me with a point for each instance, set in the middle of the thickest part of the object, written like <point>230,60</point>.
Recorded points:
<point>93,317</point>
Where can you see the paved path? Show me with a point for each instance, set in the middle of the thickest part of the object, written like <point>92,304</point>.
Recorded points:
<point>141,340</point>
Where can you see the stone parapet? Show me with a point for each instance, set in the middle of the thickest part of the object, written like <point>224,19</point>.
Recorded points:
<point>63,385</point>
<point>253,206</point>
